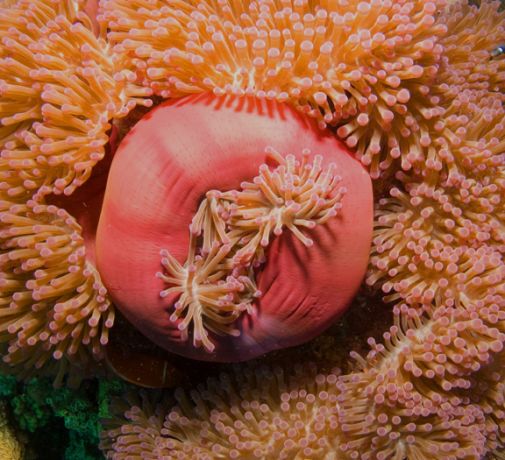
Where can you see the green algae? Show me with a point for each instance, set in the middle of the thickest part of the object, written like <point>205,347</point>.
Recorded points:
<point>59,423</point>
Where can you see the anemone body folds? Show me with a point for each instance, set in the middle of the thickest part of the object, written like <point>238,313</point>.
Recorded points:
<point>159,176</point>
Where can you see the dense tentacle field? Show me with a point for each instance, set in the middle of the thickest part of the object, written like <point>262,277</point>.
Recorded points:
<point>415,89</point>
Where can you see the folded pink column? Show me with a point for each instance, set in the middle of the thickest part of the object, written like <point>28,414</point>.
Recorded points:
<point>160,175</point>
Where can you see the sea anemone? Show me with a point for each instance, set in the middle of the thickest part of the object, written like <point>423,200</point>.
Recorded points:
<point>432,386</point>
<point>64,89</point>
<point>265,412</point>
<point>59,91</point>
<point>414,88</point>
<point>293,414</point>
<point>232,275</point>
<point>58,94</point>
<point>365,67</point>
<point>434,245</point>
<point>52,298</point>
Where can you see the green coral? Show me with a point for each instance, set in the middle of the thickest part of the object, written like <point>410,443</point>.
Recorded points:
<point>60,419</point>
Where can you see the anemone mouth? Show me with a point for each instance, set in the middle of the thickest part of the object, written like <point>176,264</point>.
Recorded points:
<point>229,237</point>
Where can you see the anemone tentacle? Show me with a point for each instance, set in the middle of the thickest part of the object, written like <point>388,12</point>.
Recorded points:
<point>362,66</point>
<point>431,245</point>
<point>230,417</point>
<point>60,88</point>
<point>52,302</point>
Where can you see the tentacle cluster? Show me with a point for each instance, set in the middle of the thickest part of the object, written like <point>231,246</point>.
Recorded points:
<point>391,76</point>
<point>468,90</point>
<point>438,252</point>
<point>382,419</point>
<point>144,414</point>
<point>365,66</point>
<point>59,88</point>
<point>253,413</point>
<point>430,245</point>
<point>52,300</point>
<point>229,235</point>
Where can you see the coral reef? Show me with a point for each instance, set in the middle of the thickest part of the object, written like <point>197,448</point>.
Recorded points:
<point>415,88</point>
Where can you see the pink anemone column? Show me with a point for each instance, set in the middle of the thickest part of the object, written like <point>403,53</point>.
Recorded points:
<point>158,179</point>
